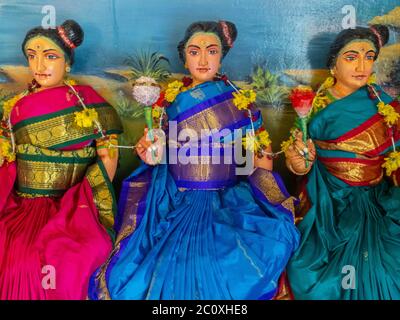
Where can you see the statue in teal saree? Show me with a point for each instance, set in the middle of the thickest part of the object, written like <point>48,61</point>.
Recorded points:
<point>350,210</point>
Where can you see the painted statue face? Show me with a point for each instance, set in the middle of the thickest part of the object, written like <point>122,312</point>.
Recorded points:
<point>46,61</point>
<point>354,65</point>
<point>203,57</point>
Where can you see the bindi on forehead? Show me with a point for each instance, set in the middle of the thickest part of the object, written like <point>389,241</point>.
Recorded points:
<point>204,40</point>
<point>42,44</point>
<point>362,46</point>
<point>203,43</point>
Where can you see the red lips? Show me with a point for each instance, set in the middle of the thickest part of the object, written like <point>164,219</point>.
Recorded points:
<point>360,77</point>
<point>203,69</point>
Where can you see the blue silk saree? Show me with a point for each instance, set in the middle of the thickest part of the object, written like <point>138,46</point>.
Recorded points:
<point>197,230</point>
<point>349,212</point>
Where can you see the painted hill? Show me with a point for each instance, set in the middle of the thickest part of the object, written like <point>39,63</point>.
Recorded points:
<point>391,19</point>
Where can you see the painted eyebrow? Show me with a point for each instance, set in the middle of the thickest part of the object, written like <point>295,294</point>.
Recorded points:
<point>356,52</point>
<point>50,50</point>
<point>351,51</point>
<point>212,45</point>
<point>192,45</point>
<point>29,49</point>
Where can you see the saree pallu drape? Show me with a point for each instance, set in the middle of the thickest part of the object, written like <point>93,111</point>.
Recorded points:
<point>56,201</point>
<point>197,231</point>
<point>350,247</point>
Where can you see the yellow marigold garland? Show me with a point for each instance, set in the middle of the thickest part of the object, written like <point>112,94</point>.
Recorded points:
<point>156,112</point>
<point>6,151</point>
<point>388,112</point>
<point>372,79</point>
<point>110,143</point>
<point>6,147</point>
<point>9,104</point>
<point>392,162</point>
<point>391,117</point>
<point>173,89</point>
<point>321,100</point>
<point>86,118</point>
<point>70,82</point>
<point>286,144</point>
<point>244,98</point>
<point>250,142</point>
<point>258,142</point>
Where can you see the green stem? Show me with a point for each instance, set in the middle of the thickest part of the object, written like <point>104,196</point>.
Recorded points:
<point>149,122</point>
<point>303,125</point>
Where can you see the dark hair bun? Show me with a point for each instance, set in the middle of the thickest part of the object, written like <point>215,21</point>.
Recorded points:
<point>383,32</point>
<point>73,31</point>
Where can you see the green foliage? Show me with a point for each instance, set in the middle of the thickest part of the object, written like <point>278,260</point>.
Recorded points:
<point>128,108</point>
<point>153,65</point>
<point>269,91</point>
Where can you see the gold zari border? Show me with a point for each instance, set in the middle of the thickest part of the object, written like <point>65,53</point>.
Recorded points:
<point>62,129</point>
<point>366,141</point>
<point>265,181</point>
<point>358,173</point>
<point>136,192</point>
<point>49,171</point>
<point>103,197</point>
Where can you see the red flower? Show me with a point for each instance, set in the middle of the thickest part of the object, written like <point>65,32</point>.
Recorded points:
<point>371,93</point>
<point>302,99</point>
<point>187,81</point>
<point>222,77</point>
<point>160,101</point>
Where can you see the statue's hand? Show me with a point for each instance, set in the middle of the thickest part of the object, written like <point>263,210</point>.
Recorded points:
<point>151,152</point>
<point>296,155</point>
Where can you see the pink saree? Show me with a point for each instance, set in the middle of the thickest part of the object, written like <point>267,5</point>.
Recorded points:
<point>56,201</point>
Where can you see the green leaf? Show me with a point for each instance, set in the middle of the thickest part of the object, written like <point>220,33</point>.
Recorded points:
<point>148,64</point>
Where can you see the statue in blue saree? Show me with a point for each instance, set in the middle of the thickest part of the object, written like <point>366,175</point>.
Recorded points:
<point>198,230</point>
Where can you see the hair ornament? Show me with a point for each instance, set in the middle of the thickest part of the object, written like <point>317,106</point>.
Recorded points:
<point>225,31</point>
<point>376,33</point>
<point>67,41</point>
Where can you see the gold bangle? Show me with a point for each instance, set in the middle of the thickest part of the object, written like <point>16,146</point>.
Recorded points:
<point>298,173</point>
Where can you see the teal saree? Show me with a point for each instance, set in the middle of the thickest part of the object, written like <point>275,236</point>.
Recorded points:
<point>350,246</point>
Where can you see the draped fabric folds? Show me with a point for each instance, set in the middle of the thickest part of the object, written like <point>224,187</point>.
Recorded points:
<point>197,232</point>
<point>350,247</point>
<point>56,202</point>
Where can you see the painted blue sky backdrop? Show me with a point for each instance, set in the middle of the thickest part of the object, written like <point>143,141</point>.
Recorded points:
<point>285,33</point>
